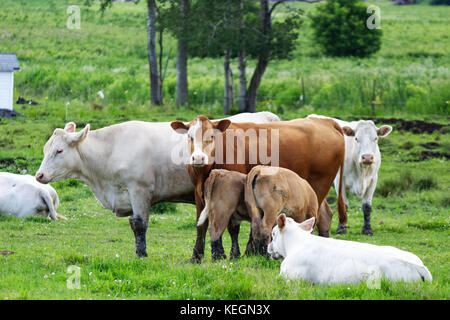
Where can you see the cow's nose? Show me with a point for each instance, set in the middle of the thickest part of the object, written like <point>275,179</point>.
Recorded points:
<point>39,176</point>
<point>198,159</point>
<point>367,158</point>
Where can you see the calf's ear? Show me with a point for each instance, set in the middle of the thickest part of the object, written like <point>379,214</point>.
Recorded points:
<point>348,131</point>
<point>281,221</point>
<point>222,125</point>
<point>70,127</point>
<point>383,131</point>
<point>179,127</point>
<point>308,225</point>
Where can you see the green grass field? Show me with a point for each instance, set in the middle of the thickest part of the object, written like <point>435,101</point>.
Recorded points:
<point>411,207</point>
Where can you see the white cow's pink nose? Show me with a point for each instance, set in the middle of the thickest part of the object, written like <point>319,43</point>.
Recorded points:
<point>367,158</point>
<point>198,159</point>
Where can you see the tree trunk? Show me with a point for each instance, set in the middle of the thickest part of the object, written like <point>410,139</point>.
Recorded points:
<point>263,58</point>
<point>227,95</point>
<point>161,71</point>
<point>241,62</point>
<point>242,82</point>
<point>155,98</point>
<point>182,57</point>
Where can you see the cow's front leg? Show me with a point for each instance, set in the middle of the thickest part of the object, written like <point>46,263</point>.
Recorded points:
<point>139,220</point>
<point>139,226</point>
<point>199,249</point>
<point>367,208</point>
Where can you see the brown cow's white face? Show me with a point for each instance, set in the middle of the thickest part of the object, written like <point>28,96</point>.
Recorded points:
<point>366,140</point>
<point>201,133</point>
<point>61,156</point>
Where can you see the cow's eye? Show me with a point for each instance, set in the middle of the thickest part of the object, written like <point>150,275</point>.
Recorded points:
<point>376,138</point>
<point>356,139</point>
<point>59,151</point>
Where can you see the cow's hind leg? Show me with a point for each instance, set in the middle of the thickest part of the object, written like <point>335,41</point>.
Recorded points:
<point>233,229</point>
<point>325,217</point>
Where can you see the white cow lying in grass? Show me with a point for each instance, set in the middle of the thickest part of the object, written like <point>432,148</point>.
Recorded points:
<point>332,261</point>
<point>22,196</point>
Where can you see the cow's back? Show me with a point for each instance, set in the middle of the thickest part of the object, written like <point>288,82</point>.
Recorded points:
<point>313,148</point>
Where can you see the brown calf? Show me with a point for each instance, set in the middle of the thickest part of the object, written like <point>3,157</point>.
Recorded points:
<point>313,148</point>
<point>268,191</point>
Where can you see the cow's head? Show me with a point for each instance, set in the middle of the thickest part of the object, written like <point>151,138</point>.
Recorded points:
<point>366,140</point>
<point>61,157</point>
<point>201,134</point>
<point>285,225</point>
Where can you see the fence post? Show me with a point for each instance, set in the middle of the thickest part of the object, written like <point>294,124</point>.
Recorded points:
<point>303,92</point>
<point>373,98</point>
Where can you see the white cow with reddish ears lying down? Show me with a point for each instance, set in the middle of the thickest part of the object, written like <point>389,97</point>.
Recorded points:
<point>22,196</point>
<point>332,261</point>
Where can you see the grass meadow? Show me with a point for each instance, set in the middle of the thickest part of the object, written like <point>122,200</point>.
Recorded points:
<point>411,207</point>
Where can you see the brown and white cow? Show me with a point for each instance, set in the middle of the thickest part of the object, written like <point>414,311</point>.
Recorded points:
<point>231,197</point>
<point>312,148</point>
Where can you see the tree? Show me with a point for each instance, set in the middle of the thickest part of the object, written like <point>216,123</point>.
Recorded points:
<point>340,28</point>
<point>182,53</point>
<point>240,29</point>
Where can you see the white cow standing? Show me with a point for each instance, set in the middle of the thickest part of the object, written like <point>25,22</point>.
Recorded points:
<point>361,164</point>
<point>333,261</point>
<point>22,196</point>
<point>129,166</point>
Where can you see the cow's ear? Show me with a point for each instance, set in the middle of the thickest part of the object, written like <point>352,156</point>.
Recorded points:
<point>70,127</point>
<point>179,127</point>
<point>281,221</point>
<point>79,136</point>
<point>222,125</point>
<point>383,131</point>
<point>308,225</point>
<point>348,131</point>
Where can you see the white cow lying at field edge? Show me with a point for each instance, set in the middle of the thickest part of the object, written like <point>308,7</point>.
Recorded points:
<point>129,166</point>
<point>332,261</point>
<point>361,164</point>
<point>22,196</point>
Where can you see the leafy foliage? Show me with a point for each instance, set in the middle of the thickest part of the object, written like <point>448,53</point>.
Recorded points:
<point>340,28</point>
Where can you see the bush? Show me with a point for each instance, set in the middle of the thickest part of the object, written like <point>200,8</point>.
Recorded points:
<point>340,28</point>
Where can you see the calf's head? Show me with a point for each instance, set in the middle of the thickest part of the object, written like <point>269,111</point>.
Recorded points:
<point>366,140</point>
<point>280,234</point>
<point>201,134</point>
<point>61,157</point>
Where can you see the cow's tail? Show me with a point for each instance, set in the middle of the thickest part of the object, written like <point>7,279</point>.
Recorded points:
<point>250,199</point>
<point>341,203</point>
<point>209,186</point>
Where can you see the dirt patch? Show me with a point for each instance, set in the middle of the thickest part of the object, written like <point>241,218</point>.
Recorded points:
<point>424,155</point>
<point>430,145</point>
<point>414,126</point>
<point>6,252</point>
<point>9,161</point>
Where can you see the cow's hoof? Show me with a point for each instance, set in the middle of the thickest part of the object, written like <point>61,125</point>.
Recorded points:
<point>217,257</point>
<point>234,256</point>
<point>141,254</point>
<point>367,231</point>
<point>341,229</point>
<point>196,258</point>
<point>324,234</point>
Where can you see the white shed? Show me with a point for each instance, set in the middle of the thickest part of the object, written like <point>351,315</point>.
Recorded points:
<point>8,64</point>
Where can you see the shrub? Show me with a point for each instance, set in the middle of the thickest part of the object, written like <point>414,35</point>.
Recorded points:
<point>340,28</point>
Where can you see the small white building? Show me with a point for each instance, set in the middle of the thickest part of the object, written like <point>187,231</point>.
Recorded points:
<point>8,64</point>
